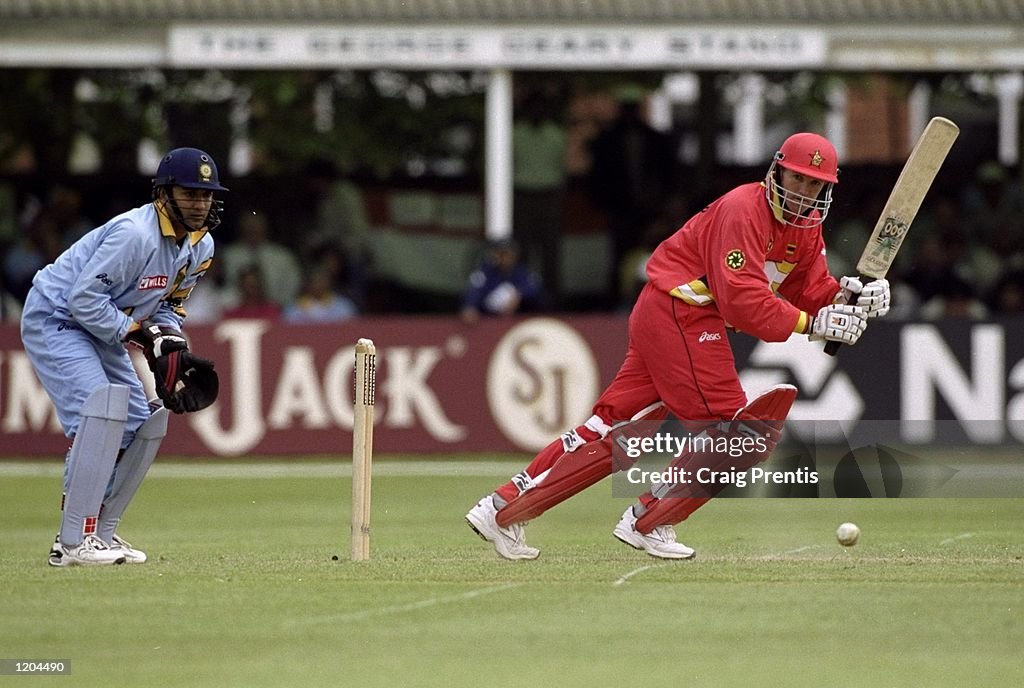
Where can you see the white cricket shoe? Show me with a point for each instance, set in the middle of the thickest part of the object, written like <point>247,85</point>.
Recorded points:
<point>131,555</point>
<point>660,542</point>
<point>510,543</point>
<point>89,552</point>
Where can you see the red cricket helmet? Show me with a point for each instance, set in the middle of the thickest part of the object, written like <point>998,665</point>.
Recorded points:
<point>810,154</point>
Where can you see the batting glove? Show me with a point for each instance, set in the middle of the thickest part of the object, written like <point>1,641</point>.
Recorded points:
<point>839,323</point>
<point>874,297</point>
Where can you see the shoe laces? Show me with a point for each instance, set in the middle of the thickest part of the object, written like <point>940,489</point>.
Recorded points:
<point>518,534</point>
<point>119,543</point>
<point>666,533</point>
<point>93,542</point>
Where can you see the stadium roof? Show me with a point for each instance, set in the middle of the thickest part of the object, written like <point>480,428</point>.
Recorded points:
<point>633,11</point>
<point>519,34</point>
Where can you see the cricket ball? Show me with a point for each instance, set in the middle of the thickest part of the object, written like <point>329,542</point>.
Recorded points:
<point>848,534</point>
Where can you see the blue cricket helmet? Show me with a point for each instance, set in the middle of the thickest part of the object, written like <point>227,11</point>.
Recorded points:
<point>190,168</point>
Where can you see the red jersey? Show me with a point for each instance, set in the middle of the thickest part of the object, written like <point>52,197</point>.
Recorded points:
<point>736,257</point>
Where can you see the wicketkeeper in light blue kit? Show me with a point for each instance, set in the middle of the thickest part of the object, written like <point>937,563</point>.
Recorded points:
<point>122,283</point>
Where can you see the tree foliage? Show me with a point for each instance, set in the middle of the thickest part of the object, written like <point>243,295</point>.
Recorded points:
<point>380,122</point>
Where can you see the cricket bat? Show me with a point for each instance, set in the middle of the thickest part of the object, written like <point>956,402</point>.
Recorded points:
<point>904,201</point>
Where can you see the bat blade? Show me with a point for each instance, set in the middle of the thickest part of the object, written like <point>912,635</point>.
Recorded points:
<point>905,200</point>
<point>906,197</point>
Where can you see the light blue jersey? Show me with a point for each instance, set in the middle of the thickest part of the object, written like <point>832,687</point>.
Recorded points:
<point>134,268</point>
<point>129,269</point>
<point>81,306</point>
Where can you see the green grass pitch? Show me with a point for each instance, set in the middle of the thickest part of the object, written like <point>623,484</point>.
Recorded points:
<point>242,590</point>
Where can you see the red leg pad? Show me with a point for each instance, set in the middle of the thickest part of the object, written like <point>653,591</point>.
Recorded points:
<point>669,510</point>
<point>763,416</point>
<point>571,474</point>
<point>577,470</point>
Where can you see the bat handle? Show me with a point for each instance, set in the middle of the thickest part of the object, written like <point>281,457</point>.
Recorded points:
<point>832,347</point>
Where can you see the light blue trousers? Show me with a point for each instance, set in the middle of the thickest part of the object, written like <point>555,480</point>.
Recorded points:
<point>72,364</point>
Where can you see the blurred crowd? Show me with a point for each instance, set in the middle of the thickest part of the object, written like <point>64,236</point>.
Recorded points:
<point>255,274</point>
<point>964,257</point>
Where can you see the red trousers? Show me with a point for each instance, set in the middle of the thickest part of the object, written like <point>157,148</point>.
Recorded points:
<point>678,354</point>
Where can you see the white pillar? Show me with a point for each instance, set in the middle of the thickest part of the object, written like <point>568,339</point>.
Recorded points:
<point>1009,89</point>
<point>659,110</point>
<point>240,155</point>
<point>498,155</point>
<point>919,109</point>
<point>835,119</point>
<point>748,120</point>
<point>681,87</point>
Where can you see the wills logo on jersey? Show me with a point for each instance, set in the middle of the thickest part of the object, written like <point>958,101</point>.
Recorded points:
<point>734,259</point>
<point>153,282</point>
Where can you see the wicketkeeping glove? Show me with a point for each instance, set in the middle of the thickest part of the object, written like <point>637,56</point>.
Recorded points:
<point>200,385</point>
<point>163,347</point>
<point>839,323</point>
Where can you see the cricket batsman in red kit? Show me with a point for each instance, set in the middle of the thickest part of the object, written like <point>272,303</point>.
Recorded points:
<point>753,260</point>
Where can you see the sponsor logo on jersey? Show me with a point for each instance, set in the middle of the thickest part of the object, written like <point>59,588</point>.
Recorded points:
<point>153,282</point>
<point>734,259</point>
<point>706,336</point>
